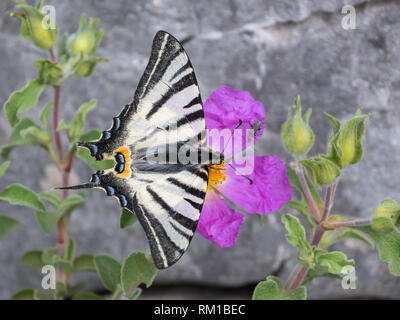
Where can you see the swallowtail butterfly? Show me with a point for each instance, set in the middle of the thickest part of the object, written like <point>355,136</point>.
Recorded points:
<point>166,196</point>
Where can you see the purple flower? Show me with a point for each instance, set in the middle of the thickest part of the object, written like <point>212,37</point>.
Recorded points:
<point>263,189</point>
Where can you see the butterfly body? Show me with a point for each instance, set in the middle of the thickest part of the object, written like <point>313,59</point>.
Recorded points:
<point>158,142</point>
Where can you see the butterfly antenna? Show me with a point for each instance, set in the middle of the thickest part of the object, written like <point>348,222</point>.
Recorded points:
<point>230,137</point>
<point>234,169</point>
<point>78,186</point>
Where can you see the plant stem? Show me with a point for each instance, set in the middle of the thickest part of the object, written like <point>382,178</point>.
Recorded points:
<point>311,203</point>
<point>64,170</point>
<point>330,195</point>
<point>298,274</point>
<point>300,271</point>
<point>353,223</point>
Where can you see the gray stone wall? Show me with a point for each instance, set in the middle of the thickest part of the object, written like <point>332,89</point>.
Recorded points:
<point>275,49</point>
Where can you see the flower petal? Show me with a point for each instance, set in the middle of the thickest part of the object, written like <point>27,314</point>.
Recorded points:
<point>267,191</point>
<point>219,222</point>
<point>229,109</point>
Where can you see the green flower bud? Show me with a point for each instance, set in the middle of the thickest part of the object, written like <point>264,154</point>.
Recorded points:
<point>297,134</point>
<point>321,170</point>
<point>33,29</point>
<point>386,216</point>
<point>345,147</point>
<point>50,73</point>
<point>85,41</point>
<point>85,68</point>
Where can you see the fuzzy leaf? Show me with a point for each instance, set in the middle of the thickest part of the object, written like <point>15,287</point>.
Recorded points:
<point>272,290</point>
<point>85,262</point>
<point>137,269</point>
<point>17,139</point>
<point>51,197</point>
<point>297,237</point>
<point>87,296</point>
<point>47,220</point>
<point>22,100</point>
<point>78,121</point>
<point>4,167</point>
<point>388,245</point>
<point>127,218</point>
<point>24,294</point>
<point>109,271</point>
<point>17,194</point>
<point>7,225</point>
<point>32,259</point>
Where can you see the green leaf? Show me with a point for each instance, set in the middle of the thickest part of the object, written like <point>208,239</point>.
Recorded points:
<point>87,296</point>
<point>61,289</point>
<point>328,264</point>
<point>272,290</point>
<point>7,225</point>
<point>18,139</point>
<point>297,237</point>
<point>51,197</point>
<point>295,182</point>
<point>24,294</point>
<point>17,194</point>
<point>109,271</point>
<point>84,262</point>
<point>388,245</point>
<point>71,203</point>
<point>84,155</point>
<point>69,252</point>
<point>44,295</point>
<point>137,269</point>
<point>91,135</point>
<point>76,288</point>
<point>44,115</point>
<point>49,256</point>
<point>47,220</point>
<point>49,72</point>
<point>4,167</point>
<point>332,236</point>
<point>32,259</point>
<point>22,100</point>
<point>302,207</point>
<point>78,120</point>
<point>127,218</point>
<point>335,261</point>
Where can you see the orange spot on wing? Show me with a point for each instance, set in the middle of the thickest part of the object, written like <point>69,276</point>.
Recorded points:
<point>124,150</point>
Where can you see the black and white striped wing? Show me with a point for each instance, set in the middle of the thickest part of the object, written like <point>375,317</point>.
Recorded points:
<point>166,197</point>
<point>168,97</point>
<point>169,209</point>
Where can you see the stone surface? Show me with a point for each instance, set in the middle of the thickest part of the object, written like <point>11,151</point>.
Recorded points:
<point>274,49</point>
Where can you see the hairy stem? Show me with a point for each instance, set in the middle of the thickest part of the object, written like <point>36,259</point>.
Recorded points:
<point>330,195</point>
<point>311,203</point>
<point>300,271</point>
<point>353,223</point>
<point>64,170</point>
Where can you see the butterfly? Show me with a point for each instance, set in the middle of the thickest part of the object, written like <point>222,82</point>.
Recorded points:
<point>166,196</point>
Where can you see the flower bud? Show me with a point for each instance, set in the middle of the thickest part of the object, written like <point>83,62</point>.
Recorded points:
<point>85,68</point>
<point>296,132</point>
<point>322,171</point>
<point>33,29</point>
<point>350,140</point>
<point>85,41</point>
<point>386,216</point>
<point>49,72</point>
<point>345,147</point>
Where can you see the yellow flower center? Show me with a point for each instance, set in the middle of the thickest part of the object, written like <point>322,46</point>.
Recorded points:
<point>216,175</point>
